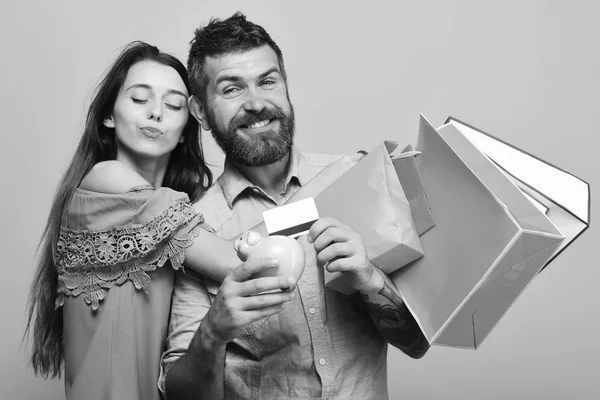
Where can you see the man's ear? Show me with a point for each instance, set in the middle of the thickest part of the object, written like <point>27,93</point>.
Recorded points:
<point>109,122</point>
<point>198,112</point>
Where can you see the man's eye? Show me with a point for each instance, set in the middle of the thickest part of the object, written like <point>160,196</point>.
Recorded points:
<point>268,82</point>
<point>139,101</point>
<point>231,90</point>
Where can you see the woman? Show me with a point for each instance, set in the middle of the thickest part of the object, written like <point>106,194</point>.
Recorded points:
<point>121,221</point>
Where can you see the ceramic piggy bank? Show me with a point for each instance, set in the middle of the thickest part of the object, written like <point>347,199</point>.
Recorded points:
<point>287,250</point>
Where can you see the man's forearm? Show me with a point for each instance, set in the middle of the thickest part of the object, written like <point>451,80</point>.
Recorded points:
<point>393,320</point>
<point>199,373</point>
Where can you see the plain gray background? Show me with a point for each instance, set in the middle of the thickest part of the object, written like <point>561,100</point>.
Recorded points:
<point>359,73</point>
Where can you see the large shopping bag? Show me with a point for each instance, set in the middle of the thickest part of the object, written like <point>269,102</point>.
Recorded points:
<point>563,197</point>
<point>370,199</point>
<point>490,239</point>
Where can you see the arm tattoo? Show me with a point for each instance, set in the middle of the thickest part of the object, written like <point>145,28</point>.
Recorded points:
<point>394,322</point>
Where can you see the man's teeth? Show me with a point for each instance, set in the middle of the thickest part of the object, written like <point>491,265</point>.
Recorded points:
<point>259,124</point>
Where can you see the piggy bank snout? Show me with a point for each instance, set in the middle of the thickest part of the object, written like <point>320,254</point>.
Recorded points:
<point>244,244</point>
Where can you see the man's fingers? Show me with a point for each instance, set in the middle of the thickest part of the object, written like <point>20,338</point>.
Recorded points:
<point>332,252</point>
<point>351,159</point>
<point>330,236</point>
<point>267,300</point>
<point>321,226</point>
<point>252,266</point>
<point>341,264</point>
<point>358,156</point>
<point>259,285</point>
<point>265,312</point>
<point>318,228</point>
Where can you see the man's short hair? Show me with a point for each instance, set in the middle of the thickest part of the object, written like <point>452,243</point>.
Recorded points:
<point>232,35</point>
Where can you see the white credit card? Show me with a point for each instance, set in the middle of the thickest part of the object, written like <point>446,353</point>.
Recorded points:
<point>293,220</point>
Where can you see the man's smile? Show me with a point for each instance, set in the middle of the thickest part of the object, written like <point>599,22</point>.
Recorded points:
<point>258,127</point>
<point>259,124</point>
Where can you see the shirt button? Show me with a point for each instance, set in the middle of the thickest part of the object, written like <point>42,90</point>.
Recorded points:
<point>322,361</point>
<point>312,310</point>
<point>255,190</point>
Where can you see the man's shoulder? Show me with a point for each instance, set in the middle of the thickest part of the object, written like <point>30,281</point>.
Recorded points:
<point>320,159</point>
<point>313,163</point>
<point>213,194</point>
<point>213,206</point>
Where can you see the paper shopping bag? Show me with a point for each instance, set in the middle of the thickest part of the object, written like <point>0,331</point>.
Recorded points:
<point>563,198</point>
<point>488,242</point>
<point>370,200</point>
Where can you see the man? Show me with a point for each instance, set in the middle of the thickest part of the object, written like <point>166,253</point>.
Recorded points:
<point>246,340</point>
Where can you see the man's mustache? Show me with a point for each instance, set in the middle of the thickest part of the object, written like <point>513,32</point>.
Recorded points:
<point>252,118</point>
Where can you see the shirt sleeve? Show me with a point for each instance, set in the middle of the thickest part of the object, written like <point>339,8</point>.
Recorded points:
<point>192,298</point>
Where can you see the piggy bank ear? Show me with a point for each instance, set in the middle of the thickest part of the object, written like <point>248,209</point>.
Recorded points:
<point>253,238</point>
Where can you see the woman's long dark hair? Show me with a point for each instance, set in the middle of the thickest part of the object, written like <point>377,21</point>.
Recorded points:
<point>186,172</point>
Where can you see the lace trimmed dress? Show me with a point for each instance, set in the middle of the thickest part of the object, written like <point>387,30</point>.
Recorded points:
<point>115,260</point>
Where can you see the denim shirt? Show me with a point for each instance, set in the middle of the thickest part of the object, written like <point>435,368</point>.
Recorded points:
<point>323,345</point>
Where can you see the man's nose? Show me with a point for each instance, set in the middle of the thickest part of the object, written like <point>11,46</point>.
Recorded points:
<point>155,111</point>
<point>254,101</point>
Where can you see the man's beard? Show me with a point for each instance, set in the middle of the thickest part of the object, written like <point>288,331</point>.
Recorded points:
<point>257,149</point>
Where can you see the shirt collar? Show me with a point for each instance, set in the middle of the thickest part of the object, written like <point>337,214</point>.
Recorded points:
<point>234,182</point>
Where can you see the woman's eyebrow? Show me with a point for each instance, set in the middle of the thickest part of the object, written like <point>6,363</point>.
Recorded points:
<point>146,86</point>
<point>173,91</point>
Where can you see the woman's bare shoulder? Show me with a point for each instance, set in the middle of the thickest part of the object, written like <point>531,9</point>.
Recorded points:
<point>112,176</point>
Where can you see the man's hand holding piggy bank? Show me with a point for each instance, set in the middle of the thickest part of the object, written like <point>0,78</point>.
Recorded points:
<point>287,250</point>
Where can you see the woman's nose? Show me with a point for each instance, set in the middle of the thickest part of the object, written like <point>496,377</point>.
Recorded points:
<point>155,111</point>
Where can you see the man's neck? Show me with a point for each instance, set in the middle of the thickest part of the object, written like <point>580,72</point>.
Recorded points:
<point>270,178</point>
